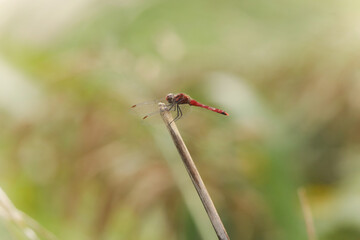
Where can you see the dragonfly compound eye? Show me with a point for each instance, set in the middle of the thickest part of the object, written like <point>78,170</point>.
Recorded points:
<point>170,97</point>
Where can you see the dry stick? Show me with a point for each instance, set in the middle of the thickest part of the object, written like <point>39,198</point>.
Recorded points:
<point>307,214</point>
<point>194,174</point>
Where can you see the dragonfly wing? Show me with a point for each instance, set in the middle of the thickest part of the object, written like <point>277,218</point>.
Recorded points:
<point>146,110</point>
<point>153,102</point>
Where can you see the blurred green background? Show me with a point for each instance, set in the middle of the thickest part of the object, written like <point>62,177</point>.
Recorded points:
<point>79,164</point>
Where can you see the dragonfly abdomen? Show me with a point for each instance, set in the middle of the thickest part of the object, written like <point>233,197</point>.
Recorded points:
<point>197,104</point>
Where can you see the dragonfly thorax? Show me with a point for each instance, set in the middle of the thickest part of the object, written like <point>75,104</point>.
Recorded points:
<point>179,98</point>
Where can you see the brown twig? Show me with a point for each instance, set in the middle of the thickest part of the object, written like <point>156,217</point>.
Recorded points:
<point>194,174</point>
<point>307,214</point>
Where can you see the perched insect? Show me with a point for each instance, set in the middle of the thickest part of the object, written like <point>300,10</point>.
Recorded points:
<point>175,102</point>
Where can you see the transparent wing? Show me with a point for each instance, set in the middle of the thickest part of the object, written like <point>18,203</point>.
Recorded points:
<point>149,103</point>
<point>146,110</point>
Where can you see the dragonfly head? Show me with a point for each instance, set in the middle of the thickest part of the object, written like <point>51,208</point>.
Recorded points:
<point>170,98</point>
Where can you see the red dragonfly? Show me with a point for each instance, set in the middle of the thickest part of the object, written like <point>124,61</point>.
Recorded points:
<point>175,102</point>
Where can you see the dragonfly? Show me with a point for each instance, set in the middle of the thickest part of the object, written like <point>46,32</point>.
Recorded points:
<point>176,103</point>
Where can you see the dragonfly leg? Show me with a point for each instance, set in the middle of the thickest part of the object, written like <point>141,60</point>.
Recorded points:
<point>169,107</point>
<point>178,113</point>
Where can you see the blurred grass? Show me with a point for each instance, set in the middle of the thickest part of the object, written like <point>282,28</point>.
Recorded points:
<point>83,167</point>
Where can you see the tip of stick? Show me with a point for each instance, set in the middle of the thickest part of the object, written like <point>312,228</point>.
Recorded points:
<point>162,106</point>
<point>145,117</point>
<point>133,106</point>
<point>225,113</point>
